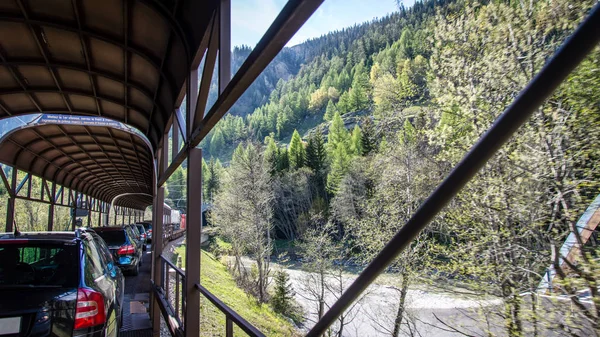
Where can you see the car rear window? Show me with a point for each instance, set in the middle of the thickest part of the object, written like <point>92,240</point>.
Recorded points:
<point>38,264</point>
<point>141,228</point>
<point>112,237</point>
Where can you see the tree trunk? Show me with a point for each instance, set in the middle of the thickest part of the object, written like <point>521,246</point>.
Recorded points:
<point>322,295</point>
<point>400,313</point>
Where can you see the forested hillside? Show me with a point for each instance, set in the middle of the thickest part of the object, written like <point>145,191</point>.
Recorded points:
<point>428,82</point>
<point>313,79</point>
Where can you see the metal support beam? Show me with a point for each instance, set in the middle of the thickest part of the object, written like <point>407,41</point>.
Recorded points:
<point>193,240</point>
<point>114,210</point>
<point>175,142</point>
<point>89,206</point>
<point>51,208</point>
<point>572,52</point>
<point>10,209</point>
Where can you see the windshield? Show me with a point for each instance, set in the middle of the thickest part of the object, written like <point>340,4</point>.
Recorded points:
<point>38,264</point>
<point>113,237</point>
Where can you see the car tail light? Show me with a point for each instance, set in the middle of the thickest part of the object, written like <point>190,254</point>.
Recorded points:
<point>126,250</point>
<point>143,236</point>
<point>90,309</point>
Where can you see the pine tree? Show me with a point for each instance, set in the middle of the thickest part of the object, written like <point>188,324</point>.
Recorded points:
<point>359,94</point>
<point>369,142</point>
<point>297,152</point>
<point>213,182</point>
<point>340,163</point>
<point>204,179</point>
<point>316,160</point>
<point>330,111</point>
<point>337,133</point>
<point>283,160</point>
<point>282,300</point>
<point>356,141</point>
<point>217,141</point>
<point>316,155</point>
<point>343,104</point>
<point>271,154</point>
<point>358,99</point>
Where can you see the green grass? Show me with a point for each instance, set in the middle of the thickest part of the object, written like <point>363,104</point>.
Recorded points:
<point>216,278</point>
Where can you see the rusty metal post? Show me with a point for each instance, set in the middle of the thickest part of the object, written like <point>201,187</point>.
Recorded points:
<point>193,240</point>
<point>10,210</point>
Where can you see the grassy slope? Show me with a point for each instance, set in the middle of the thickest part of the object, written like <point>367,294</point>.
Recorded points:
<point>217,279</point>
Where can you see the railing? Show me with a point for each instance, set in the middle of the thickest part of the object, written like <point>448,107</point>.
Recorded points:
<point>171,299</point>
<point>171,296</point>
<point>230,315</point>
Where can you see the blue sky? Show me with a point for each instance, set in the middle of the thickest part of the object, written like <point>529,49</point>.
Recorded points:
<point>251,18</point>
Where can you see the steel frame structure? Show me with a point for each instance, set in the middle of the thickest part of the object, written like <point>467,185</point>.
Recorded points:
<point>189,127</point>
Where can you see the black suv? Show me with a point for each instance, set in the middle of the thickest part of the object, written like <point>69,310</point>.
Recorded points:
<point>124,247</point>
<point>60,284</point>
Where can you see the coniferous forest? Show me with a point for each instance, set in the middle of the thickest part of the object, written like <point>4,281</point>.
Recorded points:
<point>340,140</point>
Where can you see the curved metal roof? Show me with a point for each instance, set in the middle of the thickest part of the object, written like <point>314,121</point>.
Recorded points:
<point>118,59</point>
<point>124,60</point>
<point>99,161</point>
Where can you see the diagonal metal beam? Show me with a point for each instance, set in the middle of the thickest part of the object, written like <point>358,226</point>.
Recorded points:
<point>5,181</point>
<point>572,52</point>
<point>207,74</point>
